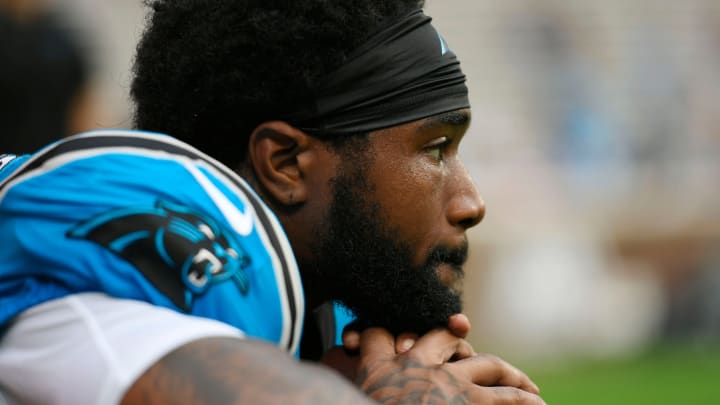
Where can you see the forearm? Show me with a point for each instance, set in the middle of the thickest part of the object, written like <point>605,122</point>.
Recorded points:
<point>234,371</point>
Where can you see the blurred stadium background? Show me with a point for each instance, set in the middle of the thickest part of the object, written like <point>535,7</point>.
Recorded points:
<point>596,145</point>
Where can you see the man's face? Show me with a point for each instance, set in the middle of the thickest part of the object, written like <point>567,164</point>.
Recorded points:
<point>393,242</point>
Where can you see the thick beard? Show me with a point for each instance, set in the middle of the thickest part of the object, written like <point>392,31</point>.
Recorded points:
<point>368,268</point>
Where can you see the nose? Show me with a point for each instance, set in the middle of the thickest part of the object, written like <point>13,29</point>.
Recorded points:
<point>466,207</point>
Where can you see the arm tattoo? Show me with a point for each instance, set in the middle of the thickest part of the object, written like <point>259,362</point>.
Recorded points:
<point>235,371</point>
<point>417,384</point>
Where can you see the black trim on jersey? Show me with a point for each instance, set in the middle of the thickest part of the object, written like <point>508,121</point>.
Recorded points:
<point>102,140</point>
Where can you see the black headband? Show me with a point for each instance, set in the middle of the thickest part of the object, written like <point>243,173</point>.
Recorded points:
<point>402,74</point>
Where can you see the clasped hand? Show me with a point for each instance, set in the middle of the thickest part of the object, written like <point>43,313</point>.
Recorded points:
<point>439,367</point>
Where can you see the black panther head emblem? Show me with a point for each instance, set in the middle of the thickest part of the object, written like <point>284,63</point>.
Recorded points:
<point>182,252</point>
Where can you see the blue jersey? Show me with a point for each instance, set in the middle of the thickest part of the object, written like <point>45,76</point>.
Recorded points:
<point>143,216</point>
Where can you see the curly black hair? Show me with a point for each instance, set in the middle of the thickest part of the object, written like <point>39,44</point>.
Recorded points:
<point>209,71</point>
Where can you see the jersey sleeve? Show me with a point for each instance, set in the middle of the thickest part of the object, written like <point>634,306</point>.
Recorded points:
<point>89,348</point>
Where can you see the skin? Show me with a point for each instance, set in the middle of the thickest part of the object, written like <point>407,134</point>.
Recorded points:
<point>423,186</point>
<point>191,375</point>
<point>419,180</point>
<point>425,191</point>
<point>346,359</point>
<point>426,373</point>
<point>256,372</point>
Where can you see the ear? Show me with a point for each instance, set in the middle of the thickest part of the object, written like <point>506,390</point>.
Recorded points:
<point>279,154</point>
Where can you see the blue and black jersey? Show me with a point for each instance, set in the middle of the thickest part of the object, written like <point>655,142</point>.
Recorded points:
<point>144,216</point>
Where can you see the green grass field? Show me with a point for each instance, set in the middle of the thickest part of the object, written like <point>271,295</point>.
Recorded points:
<point>670,375</point>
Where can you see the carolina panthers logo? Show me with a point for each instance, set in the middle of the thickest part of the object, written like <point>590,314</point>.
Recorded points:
<point>181,251</point>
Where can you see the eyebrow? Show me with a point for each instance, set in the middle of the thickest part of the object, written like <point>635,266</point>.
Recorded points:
<point>455,118</point>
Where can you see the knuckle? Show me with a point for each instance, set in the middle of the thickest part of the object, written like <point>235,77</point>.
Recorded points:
<point>516,396</point>
<point>493,360</point>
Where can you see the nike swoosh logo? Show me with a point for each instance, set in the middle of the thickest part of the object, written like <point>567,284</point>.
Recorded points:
<point>241,222</point>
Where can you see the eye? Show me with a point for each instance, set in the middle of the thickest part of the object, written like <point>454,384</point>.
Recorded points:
<point>436,148</point>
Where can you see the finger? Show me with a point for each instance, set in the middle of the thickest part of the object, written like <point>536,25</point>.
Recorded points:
<point>464,351</point>
<point>338,359</point>
<point>435,347</point>
<point>503,396</point>
<point>351,340</point>
<point>351,335</point>
<point>488,370</point>
<point>376,343</point>
<point>404,342</point>
<point>459,325</point>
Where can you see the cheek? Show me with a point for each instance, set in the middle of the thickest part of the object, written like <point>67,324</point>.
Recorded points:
<point>411,200</point>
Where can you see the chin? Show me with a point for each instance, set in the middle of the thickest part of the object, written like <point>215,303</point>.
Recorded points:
<point>451,277</point>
